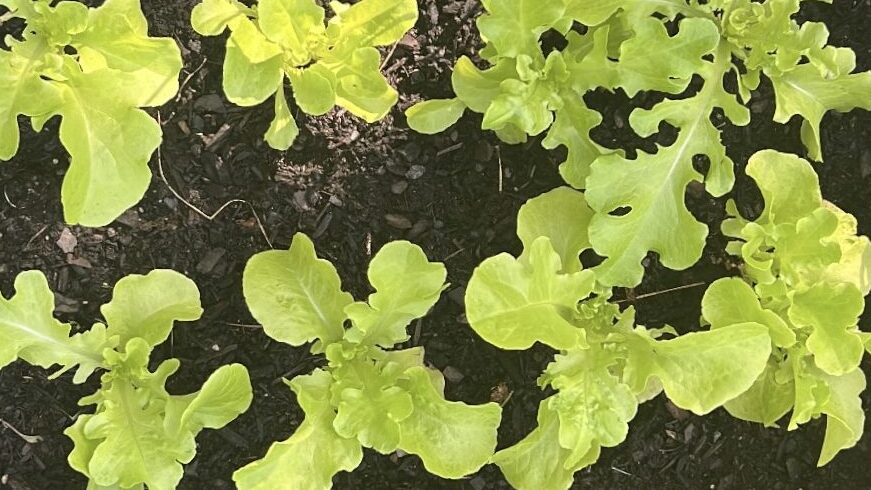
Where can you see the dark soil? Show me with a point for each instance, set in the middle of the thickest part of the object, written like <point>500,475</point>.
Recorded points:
<point>339,184</point>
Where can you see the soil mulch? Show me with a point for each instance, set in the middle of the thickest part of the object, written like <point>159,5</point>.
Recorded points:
<point>353,187</point>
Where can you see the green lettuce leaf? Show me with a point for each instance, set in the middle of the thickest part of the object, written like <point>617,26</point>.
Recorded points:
<point>29,331</point>
<point>296,296</point>
<point>562,215</point>
<point>700,371</point>
<point>313,454</point>
<point>147,306</point>
<point>513,304</point>
<point>407,286</point>
<point>452,439</point>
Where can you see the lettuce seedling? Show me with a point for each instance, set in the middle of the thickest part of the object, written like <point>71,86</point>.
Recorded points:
<point>626,44</point>
<point>330,64</point>
<point>367,395</point>
<point>805,276</point>
<point>138,434</point>
<point>95,68</point>
<point>606,365</point>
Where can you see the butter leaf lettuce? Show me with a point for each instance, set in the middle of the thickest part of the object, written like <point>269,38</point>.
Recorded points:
<point>805,275</point>
<point>606,365</point>
<point>139,434</point>
<point>328,64</point>
<point>98,91</point>
<point>369,394</point>
<point>626,44</point>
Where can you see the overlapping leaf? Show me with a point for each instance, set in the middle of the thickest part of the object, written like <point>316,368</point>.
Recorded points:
<point>116,69</point>
<point>327,64</point>
<point>367,396</point>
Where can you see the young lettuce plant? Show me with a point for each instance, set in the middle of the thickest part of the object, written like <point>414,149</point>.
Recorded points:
<point>606,365</point>
<point>138,434</point>
<point>95,68</point>
<point>805,276</point>
<point>626,45</point>
<point>330,64</point>
<point>367,395</point>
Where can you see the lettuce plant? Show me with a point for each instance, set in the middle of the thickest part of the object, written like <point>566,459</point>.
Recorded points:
<point>95,68</point>
<point>626,44</point>
<point>327,64</point>
<point>367,395</point>
<point>805,276</point>
<point>139,434</point>
<point>606,365</point>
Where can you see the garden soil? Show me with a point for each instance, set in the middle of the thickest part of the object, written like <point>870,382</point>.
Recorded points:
<point>353,187</point>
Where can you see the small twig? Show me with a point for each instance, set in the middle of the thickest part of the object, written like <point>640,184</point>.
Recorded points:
<point>243,325</point>
<point>656,293</point>
<point>209,217</point>
<point>9,200</point>
<point>499,157</point>
<point>454,254</point>
<point>389,55</point>
<point>622,472</point>
<point>34,237</point>
<point>187,80</point>
<point>449,149</point>
<point>27,438</point>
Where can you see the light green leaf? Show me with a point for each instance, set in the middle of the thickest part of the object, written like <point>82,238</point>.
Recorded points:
<point>571,128</point>
<point>435,116</point>
<point>292,24</point>
<point>252,66</point>
<point>805,251</point>
<point>110,142</point>
<point>310,458</point>
<point>211,17</point>
<point>594,406</point>
<point>767,401</point>
<point>376,22</point>
<point>513,27</point>
<point>805,92</point>
<point>117,38</point>
<point>477,88</point>
<point>134,446</point>
<point>283,129</point>
<point>561,215</point>
<point>147,306</point>
<point>407,286</point>
<point>223,397</point>
<point>538,462</point>
<point>25,93</point>
<point>452,439</point>
<point>294,295</point>
<point>678,57</point>
<point>730,301</point>
<point>142,435</point>
<point>514,303</point>
<point>653,186</point>
<point>700,371</point>
<point>854,265</point>
<point>832,311</point>
<point>29,331</point>
<point>845,419</point>
<point>361,88</point>
<point>314,89</point>
<point>789,186</point>
<point>372,414</point>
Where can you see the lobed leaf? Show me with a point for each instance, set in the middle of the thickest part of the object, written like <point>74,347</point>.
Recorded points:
<point>407,286</point>
<point>296,296</point>
<point>513,304</point>
<point>452,439</point>
<point>29,331</point>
